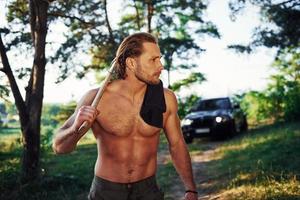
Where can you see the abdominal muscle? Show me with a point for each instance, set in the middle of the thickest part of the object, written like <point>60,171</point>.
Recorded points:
<point>126,159</point>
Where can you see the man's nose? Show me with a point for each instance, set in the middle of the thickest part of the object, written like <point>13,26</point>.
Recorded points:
<point>161,67</point>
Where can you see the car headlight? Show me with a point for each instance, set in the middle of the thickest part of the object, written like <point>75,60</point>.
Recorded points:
<point>220,119</point>
<point>186,122</point>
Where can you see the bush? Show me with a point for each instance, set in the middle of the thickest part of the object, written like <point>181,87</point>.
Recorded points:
<point>47,133</point>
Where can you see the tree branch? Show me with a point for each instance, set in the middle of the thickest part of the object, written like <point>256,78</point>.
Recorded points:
<point>150,9</point>
<point>38,24</point>
<point>111,37</point>
<point>293,2</point>
<point>137,15</point>
<point>13,84</point>
<point>59,14</point>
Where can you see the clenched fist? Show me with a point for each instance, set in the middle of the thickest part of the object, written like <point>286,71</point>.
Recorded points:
<point>85,113</point>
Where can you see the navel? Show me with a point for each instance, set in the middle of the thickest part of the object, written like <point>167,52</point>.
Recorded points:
<point>130,172</point>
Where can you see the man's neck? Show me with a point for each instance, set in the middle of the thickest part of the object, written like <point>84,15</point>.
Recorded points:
<point>135,88</point>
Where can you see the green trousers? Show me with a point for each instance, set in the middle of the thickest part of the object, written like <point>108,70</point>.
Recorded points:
<point>146,189</point>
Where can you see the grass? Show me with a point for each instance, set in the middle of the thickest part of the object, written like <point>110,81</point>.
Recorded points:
<point>262,165</point>
<point>9,139</point>
<point>63,176</point>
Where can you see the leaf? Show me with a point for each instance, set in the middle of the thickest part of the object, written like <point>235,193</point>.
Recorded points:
<point>195,77</point>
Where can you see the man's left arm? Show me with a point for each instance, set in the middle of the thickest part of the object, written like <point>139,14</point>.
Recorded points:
<point>177,146</point>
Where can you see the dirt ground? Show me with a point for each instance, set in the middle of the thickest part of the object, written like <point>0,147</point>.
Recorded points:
<point>205,184</point>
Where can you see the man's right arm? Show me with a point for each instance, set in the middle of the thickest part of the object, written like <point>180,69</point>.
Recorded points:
<point>66,138</point>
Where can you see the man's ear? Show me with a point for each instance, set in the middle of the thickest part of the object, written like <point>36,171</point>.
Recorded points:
<point>130,63</point>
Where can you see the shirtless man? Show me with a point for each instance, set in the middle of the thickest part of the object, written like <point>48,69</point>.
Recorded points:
<point>127,145</point>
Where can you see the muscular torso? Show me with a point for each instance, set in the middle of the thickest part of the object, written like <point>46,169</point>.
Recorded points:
<point>127,146</point>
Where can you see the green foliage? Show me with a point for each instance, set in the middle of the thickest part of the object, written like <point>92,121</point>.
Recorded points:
<point>2,108</point>
<point>185,104</point>
<point>292,106</point>
<point>177,24</point>
<point>47,133</point>
<point>194,77</point>
<point>53,116</point>
<point>65,112</point>
<point>280,100</point>
<point>255,104</point>
<point>4,92</point>
<point>49,114</point>
<point>288,82</point>
<point>2,113</point>
<point>280,28</point>
<point>280,24</point>
<point>9,112</point>
<point>18,36</point>
<point>58,181</point>
<point>18,10</point>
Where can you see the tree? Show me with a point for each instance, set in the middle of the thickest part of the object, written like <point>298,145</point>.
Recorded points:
<point>30,108</point>
<point>280,29</point>
<point>177,23</point>
<point>280,24</point>
<point>39,15</point>
<point>280,100</point>
<point>286,83</point>
<point>193,78</point>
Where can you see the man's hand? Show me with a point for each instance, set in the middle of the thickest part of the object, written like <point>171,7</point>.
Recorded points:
<point>85,113</point>
<point>190,196</point>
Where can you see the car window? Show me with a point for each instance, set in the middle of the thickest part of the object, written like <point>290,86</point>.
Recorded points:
<point>212,104</point>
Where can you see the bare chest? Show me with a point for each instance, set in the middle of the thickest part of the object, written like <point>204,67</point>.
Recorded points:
<point>120,117</point>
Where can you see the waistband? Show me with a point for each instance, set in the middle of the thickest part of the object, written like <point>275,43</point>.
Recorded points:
<point>138,185</point>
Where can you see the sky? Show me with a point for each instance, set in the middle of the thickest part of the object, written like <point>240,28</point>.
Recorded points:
<point>226,72</point>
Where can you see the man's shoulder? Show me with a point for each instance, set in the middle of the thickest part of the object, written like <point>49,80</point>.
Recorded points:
<point>88,97</point>
<point>169,94</point>
<point>171,100</point>
<point>91,93</point>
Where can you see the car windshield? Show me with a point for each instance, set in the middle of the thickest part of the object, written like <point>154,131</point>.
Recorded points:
<point>212,104</point>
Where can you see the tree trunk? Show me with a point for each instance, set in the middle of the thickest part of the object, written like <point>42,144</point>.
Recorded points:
<point>35,92</point>
<point>110,31</point>
<point>150,9</point>
<point>138,19</point>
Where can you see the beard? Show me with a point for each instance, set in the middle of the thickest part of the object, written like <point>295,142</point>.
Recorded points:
<point>142,76</point>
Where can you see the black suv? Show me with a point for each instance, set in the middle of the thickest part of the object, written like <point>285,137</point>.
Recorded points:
<point>217,117</point>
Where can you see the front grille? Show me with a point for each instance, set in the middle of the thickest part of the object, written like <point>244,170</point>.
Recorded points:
<point>203,122</point>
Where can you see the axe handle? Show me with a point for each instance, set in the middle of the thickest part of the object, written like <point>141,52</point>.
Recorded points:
<point>86,125</point>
